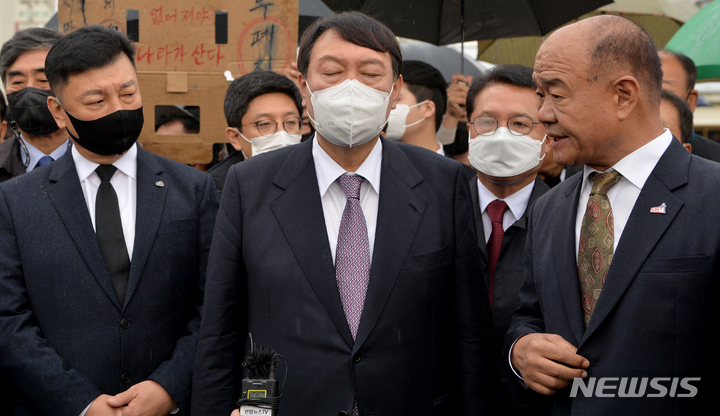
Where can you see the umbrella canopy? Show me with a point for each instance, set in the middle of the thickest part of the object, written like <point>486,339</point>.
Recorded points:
<point>439,21</point>
<point>698,39</point>
<point>444,58</point>
<point>661,18</point>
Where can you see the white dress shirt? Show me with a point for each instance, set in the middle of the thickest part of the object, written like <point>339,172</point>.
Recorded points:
<point>441,149</point>
<point>35,154</point>
<point>635,169</point>
<point>125,183</point>
<point>333,198</point>
<point>517,204</point>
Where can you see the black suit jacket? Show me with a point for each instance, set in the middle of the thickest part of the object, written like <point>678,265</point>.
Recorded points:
<point>11,164</point>
<point>509,275</point>
<point>657,314</point>
<point>705,148</point>
<point>424,340</point>
<point>65,337</point>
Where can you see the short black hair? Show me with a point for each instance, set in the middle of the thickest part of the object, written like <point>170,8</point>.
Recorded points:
<point>688,66</point>
<point>87,48</point>
<point>250,86</point>
<point>425,82</point>
<point>510,74</point>
<point>32,39</point>
<point>622,43</point>
<point>683,109</point>
<point>190,120</point>
<point>356,28</point>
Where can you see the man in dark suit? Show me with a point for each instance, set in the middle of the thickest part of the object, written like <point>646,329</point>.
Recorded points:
<point>101,279</point>
<point>507,144</point>
<point>617,309</point>
<point>679,76</point>
<point>37,140</point>
<point>352,256</point>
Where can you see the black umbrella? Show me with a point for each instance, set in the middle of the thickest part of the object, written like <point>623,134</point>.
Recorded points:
<point>441,21</point>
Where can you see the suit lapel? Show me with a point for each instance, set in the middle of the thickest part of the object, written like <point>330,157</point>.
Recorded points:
<point>392,237</point>
<point>66,195</point>
<point>479,226</point>
<point>299,209</point>
<point>644,229</point>
<point>149,209</point>
<point>563,247</point>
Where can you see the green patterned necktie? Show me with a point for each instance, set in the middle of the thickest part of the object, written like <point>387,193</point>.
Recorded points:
<point>595,251</point>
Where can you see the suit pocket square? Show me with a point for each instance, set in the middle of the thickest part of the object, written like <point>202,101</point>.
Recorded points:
<point>187,224</point>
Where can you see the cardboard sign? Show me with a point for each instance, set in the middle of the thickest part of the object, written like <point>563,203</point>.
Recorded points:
<point>184,48</point>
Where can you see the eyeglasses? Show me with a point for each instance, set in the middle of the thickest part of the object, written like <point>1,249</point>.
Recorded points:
<point>268,127</point>
<point>518,125</point>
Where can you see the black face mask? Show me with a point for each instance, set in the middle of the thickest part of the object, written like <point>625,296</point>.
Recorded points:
<point>113,134</point>
<point>28,108</point>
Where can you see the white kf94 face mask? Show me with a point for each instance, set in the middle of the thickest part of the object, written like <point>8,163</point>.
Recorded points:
<point>350,113</point>
<point>396,121</point>
<point>275,141</point>
<point>503,154</point>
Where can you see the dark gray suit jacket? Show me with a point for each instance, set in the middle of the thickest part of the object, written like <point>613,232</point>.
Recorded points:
<point>657,314</point>
<point>64,336</point>
<point>424,342</point>
<point>509,275</point>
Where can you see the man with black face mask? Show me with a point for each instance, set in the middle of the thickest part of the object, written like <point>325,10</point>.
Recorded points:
<point>103,252</point>
<point>37,139</point>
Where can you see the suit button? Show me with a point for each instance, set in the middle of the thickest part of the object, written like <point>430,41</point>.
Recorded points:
<point>343,413</point>
<point>125,323</point>
<point>357,358</point>
<point>125,378</point>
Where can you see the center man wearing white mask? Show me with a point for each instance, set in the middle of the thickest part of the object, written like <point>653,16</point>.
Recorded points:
<point>506,145</point>
<point>352,256</point>
<point>262,110</point>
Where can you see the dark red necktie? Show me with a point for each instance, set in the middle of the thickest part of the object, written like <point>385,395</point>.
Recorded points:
<point>496,210</point>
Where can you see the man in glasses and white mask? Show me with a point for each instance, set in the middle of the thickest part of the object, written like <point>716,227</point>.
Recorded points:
<point>262,110</point>
<point>352,256</point>
<point>506,145</point>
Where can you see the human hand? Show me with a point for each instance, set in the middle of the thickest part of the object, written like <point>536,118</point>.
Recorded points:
<point>456,96</point>
<point>147,398</point>
<point>547,362</point>
<point>100,407</point>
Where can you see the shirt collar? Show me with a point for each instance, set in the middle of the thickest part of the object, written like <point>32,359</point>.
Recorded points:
<point>327,170</point>
<point>36,154</point>
<point>517,202</point>
<point>127,164</point>
<point>638,165</point>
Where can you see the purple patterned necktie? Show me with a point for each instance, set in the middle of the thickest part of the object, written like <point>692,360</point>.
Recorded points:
<point>352,257</point>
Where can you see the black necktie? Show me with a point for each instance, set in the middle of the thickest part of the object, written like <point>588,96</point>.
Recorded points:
<point>108,227</point>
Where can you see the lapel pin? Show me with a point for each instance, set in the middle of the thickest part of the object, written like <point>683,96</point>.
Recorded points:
<point>662,209</point>
<point>160,184</point>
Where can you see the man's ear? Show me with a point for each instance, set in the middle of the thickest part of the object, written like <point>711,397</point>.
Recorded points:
<point>57,112</point>
<point>234,138</point>
<point>397,87</point>
<point>692,100</point>
<point>627,93</point>
<point>688,146</point>
<point>429,110</point>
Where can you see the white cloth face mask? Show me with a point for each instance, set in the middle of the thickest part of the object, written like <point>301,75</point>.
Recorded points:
<point>503,154</point>
<point>274,141</point>
<point>396,121</point>
<point>350,113</point>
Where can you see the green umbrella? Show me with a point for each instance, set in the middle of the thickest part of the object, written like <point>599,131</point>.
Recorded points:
<point>698,39</point>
